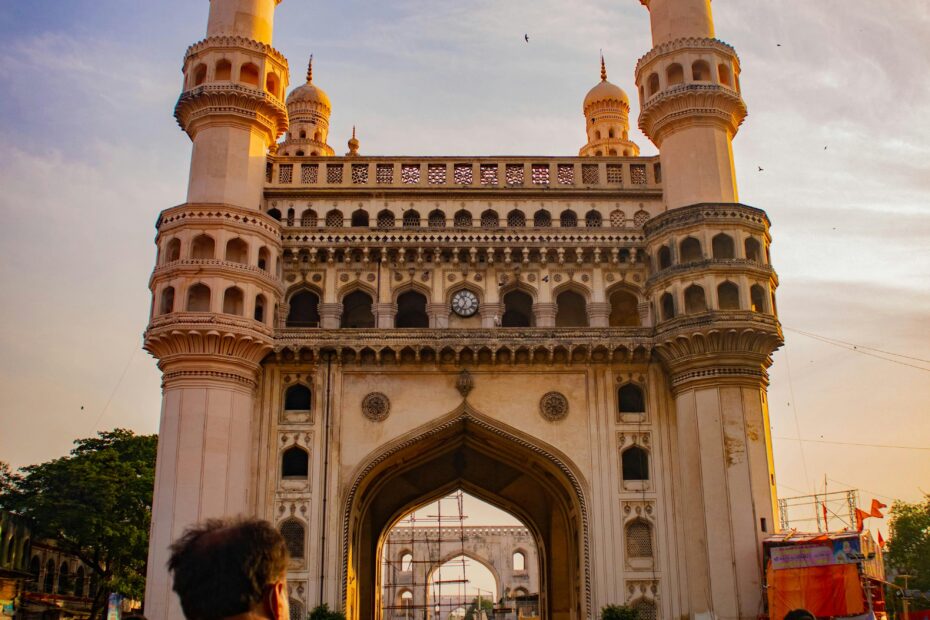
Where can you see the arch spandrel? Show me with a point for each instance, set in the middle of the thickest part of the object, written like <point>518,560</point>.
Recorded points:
<point>495,463</point>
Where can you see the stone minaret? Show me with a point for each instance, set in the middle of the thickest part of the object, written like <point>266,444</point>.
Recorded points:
<point>607,121</point>
<point>713,291</point>
<point>690,102</point>
<point>215,286</point>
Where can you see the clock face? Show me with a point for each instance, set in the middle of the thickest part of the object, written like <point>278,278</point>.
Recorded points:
<point>465,303</point>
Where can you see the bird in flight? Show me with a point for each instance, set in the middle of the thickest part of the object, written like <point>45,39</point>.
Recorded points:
<point>760,169</point>
<point>527,37</point>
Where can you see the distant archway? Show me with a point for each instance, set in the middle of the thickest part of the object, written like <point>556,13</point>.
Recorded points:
<point>494,463</point>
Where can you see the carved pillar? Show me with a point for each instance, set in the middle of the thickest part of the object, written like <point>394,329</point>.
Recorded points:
<point>599,314</point>
<point>491,314</point>
<point>545,314</point>
<point>438,315</point>
<point>330,315</point>
<point>384,315</point>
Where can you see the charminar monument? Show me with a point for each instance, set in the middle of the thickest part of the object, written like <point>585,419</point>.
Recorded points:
<point>581,341</point>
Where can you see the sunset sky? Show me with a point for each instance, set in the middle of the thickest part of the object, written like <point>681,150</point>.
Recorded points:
<point>838,97</point>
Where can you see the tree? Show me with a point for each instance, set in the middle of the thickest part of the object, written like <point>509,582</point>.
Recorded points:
<point>486,606</point>
<point>323,612</point>
<point>96,503</point>
<point>908,549</point>
<point>619,612</point>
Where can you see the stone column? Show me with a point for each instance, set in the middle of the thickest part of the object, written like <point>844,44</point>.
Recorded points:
<point>438,315</point>
<point>599,314</point>
<point>384,315</point>
<point>545,314</point>
<point>330,315</point>
<point>492,313</point>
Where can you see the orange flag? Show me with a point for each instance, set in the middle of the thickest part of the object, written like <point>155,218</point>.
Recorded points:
<point>861,516</point>
<point>881,541</point>
<point>876,509</point>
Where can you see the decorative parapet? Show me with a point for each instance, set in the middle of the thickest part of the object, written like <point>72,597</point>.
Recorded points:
<point>688,104</point>
<point>691,44</point>
<point>707,213</point>
<point>233,42</point>
<point>214,102</point>
<point>695,268</point>
<point>193,214</point>
<point>205,267</point>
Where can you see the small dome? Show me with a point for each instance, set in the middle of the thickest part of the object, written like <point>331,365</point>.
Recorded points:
<point>605,91</point>
<point>309,92</point>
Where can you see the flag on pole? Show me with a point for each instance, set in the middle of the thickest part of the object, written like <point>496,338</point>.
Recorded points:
<point>861,516</point>
<point>826,528</point>
<point>881,541</point>
<point>876,509</point>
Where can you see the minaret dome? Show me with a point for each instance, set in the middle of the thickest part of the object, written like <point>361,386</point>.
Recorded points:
<point>308,110</point>
<point>607,117</point>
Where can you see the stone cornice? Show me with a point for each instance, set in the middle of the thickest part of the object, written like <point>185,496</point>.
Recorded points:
<point>229,102</point>
<point>198,267</point>
<point>219,215</point>
<point>194,341</point>
<point>476,237</point>
<point>233,42</point>
<point>697,44</point>
<point>707,213</point>
<point>690,104</point>
<point>721,266</point>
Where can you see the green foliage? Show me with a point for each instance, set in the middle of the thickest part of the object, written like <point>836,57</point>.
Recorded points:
<point>908,549</point>
<point>96,503</point>
<point>619,612</point>
<point>323,612</point>
<point>472,612</point>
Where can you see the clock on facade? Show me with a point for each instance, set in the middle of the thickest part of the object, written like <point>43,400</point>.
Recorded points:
<point>465,303</point>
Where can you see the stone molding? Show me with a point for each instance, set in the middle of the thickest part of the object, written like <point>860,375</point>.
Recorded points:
<point>707,213</point>
<point>721,266</point>
<point>696,44</point>
<point>233,42</point>
<point>202,267</point>
<point>475,237</point>
<point>228,102</point>
<point>197,378</point>
<point>687,105</point>
<point>194,214</point>
<point>188,340</point>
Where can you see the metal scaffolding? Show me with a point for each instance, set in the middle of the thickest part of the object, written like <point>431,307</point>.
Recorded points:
<point>827,512</point>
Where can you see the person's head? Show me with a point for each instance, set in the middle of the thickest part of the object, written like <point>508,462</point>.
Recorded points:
<point>799,614</point>
<point>225,568</point>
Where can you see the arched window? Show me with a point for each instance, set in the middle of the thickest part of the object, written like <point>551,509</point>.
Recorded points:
<point>203,247</point>
<point>356,311</point>
<point>334,218</point>
<point>646,610</point>
<point>35,566</point>
<point>728,296</point>
<point>610,134</point>
<point>516,219</point>
<point>223,71</point>
<point>694,299</point>
<point>406,602</point>
<point>723,73</point>
<point>674,74</point>
<point>304,311</point>
<point>639,540</point>
<point>233,301</point>
<point>297,398</point>
<point>294,536</point>
<point>360,218</point>
<point>667,302</point>
<point>198,298</point>
<point>700,71</point>
<point>406,562</point>
<point>200,74</point>
<point>640,217</point>
<point>490,219</point>
<point>753,250</point>
<point>259,314</point>
<point>436,219</point>
<point>79,581</point>
<point>568,219</point>
<point>630,399</point>
<point>385,219</point>
<point>271,84</point>
<point>757,297</point>
<point>665,257</point>
<point>237,251</point>
<point>518,310</point>
<point>290,215</point>
<point>298,613</point>
<point>303,134</point>
<point>624,310</point>
<point>542,219</point>
<point>295,463</point>
<point>64,579</point>
<point>597,134</point>
<point>635,463</point>
<point>722,246</point>
<point>309,219</point>
<point>49,584</point>
<point>411,311</point>
<point>167,301</point>
<point>690,250</point>
<point>264,258</point>
<point>462,219</point>
<point>617,218</point>
<point>572,310</point>
<point>248,74</point>
<point>274,213</point>
<point>653,84</point>
<point>411,219</point>
<point>173,251</point>
<point>519,561</point>
<point>593,219</point>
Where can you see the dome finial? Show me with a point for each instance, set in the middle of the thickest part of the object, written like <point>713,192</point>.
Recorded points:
<point>603,67</point>
<point>353,145</point>
<point>310,70</point>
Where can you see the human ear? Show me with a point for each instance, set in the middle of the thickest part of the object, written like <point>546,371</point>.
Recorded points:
<point>276,601</point>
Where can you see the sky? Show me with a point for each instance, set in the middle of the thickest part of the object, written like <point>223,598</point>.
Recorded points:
<point>837,95</point>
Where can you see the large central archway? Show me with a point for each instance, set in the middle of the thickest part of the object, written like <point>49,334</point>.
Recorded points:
<point>492,462</point>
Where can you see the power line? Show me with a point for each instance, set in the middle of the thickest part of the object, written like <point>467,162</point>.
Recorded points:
<point>863,350</point>
<point>849,443</point>
<point>797,425</point>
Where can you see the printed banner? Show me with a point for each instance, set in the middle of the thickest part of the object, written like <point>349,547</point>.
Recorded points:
<point>844,551</point>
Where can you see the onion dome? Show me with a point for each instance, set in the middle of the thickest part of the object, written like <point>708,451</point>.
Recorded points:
<point>605,91</point>
<point>309,92</point>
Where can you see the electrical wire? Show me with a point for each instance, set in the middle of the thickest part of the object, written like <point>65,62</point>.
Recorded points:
<point>850,443</point>
<point>119,382</point>
<point>852,344</point>
<point>797,425</point>
<point>863,350</point>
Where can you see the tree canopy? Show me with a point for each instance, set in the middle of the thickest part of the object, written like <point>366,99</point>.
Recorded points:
<point>908,549</point>
<point>96,503</point>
